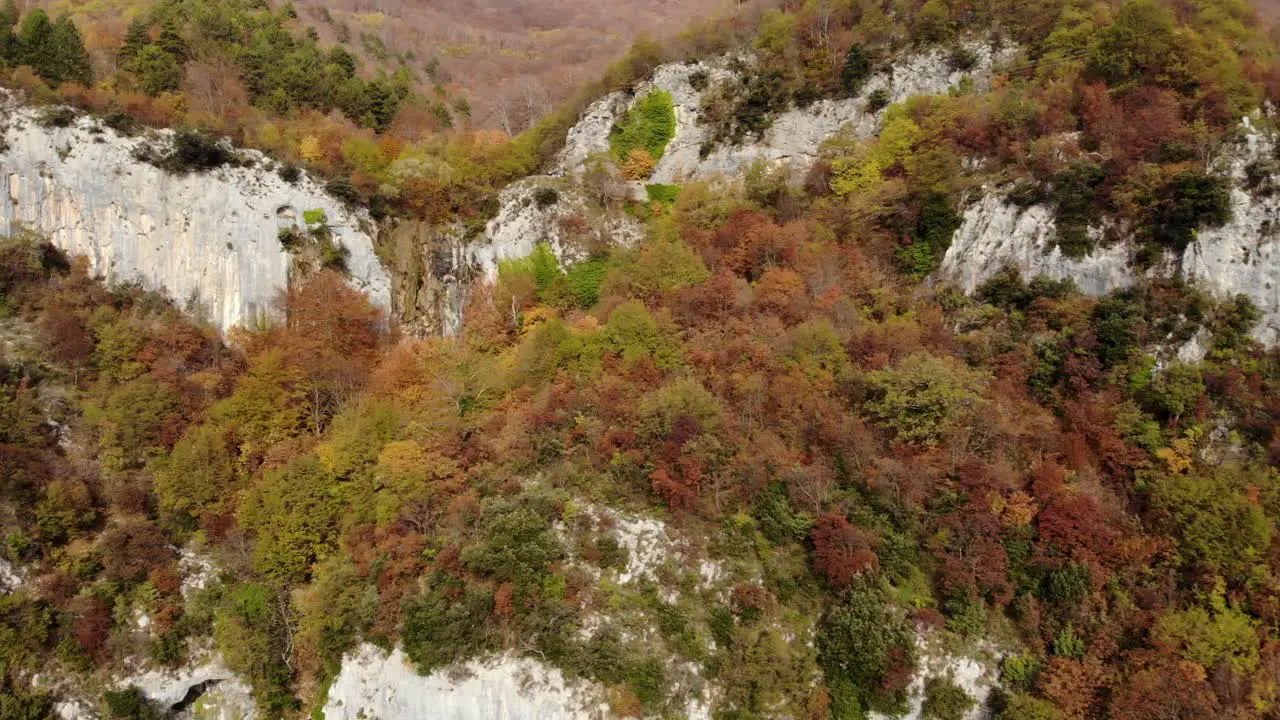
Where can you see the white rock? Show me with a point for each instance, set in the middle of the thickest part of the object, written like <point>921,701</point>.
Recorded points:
<point>522,223</point>
<point>1195,349</point>
<point>211,236</point>
<point>10,580</point>
<point>796,134</point>
<point>995,233</point>
<point>976,674</point>
<point>650,543</point>
<point>373,684</point>
<point>1241,257</point>
<point>73,709</point>
<point>198,571</point>
<point>230,699</point>
<point>168,687</point>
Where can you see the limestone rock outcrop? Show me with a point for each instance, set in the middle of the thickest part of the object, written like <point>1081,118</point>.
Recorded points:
<point>208,237</point>
<point>1240,257</point>
<point>795,135</point>
<point>434,267</point>
<point>551,210</point>
<point>376,684</point>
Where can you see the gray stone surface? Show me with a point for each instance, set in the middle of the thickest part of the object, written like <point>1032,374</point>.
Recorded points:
<point>211,236</point>
<point>1241,257</point>
<point>795,136</point>
<point>374,684</point>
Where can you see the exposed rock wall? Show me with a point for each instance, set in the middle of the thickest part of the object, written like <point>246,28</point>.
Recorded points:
<point>211,237</point>
<point>794,137</point>
<point>976,672</point>
<point>374,684</point>
<point>208,691</point>
<point>1241,257</point>
<point>995,233</point>
<point>431,275</point>
<point>558,212</point>
<point>433,268</point>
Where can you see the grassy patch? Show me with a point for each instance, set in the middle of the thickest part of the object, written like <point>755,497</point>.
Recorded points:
<point>649,125</point>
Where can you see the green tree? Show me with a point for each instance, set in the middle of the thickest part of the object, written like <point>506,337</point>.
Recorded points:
<point>266,407</point>
<point>340,57</point>
<point>516,544</point>
<point>935,227</point>
<point>172,42</point>
<point>1022,706</point>
<point>10,48</point>
<point>8,15</point>
<point>293,512</point>
<point>357,435</point>
<point>136,37</point>
<point>22,419</point>
<point>659,266</point>
<point>35,37</point>
<point>334,610</point>
<point>1141,43</point>
<point>251,631</point>
<point>129,704</point>
<point>856,644</point>
<point>933,22</point>
<point>944,700</point>
<point>856,70</point>
<point>1186,203</point>
<point>1176,389</point>
<point>157,71</point>
<point>440,626</point>
<point>924,396</point>
<point>116,348</point>
<point>1236,320</point>
<point>685,398</point>
<point>132,419</point>
<point>1210,636</point>
<point>633,333</point>
<point>1213,520</point>
<point>196,478</point>
<point>68,57</point>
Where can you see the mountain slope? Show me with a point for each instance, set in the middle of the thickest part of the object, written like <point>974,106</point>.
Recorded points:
<point>708,446</point>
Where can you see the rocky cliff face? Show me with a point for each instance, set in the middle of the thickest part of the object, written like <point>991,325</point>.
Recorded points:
<point>1241,257</point>
<point>433,268</point>
<point>794,137</point>
<point>375,684</point>
<point>211,237</point>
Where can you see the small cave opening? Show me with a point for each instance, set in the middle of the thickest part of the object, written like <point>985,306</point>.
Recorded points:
<point>193,694</point>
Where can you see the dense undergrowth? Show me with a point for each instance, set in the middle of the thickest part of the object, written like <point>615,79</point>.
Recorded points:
<point>864,460</point>
<point>857,457</point>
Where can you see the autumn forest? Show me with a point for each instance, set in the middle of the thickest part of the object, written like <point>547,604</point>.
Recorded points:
<point>869,456</point>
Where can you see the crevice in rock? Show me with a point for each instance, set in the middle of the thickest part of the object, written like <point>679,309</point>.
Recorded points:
<point>193,694</point>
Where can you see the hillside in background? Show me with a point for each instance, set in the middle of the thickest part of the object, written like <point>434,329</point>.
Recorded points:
<point>515,60</point>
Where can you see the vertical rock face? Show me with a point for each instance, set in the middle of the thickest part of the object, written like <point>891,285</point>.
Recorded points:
<point>794,137</point>
<point>996,233</point>
<point>208,691</point>
<point>211,237</point>
<point>431,275</point>
<point>433,268</point>
<point>373,684</point>
<point>1241,257</point>
<point>544,209</point>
